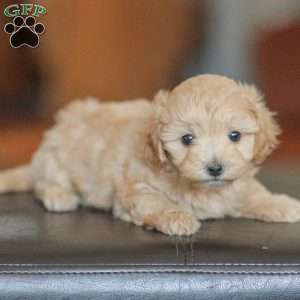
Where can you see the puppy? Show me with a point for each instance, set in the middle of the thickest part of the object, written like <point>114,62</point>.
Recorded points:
<point>190,155</point>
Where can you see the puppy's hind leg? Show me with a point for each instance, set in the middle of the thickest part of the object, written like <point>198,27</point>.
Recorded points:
<point>52,185</point>
<point>56,198</point>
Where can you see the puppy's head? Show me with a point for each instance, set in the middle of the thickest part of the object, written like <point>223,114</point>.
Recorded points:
<point>212,130</point>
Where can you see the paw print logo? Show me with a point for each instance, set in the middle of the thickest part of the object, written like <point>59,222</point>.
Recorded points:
<point>24,32</point>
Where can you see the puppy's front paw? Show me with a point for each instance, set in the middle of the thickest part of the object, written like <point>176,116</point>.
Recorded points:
<point>282,209</point>
<point>174,223</point>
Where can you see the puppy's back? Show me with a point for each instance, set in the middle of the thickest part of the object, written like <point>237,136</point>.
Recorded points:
<point>90,108</point>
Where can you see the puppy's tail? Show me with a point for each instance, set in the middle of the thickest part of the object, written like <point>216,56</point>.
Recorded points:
<point>16,180</point>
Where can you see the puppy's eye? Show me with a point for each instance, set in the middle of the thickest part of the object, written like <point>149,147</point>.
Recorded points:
<point>234,136</point>
<point>187,139</point>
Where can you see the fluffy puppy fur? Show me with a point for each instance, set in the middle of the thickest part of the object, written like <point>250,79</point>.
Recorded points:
<point>131,158</point>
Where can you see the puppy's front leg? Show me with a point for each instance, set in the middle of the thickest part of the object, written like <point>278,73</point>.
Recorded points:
<point>148,207</point>
<point>261,204</point>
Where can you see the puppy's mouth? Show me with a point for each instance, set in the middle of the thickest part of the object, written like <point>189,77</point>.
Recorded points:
<point>215,182</point>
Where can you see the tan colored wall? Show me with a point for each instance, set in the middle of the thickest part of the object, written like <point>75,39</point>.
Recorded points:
<point>117,49</point>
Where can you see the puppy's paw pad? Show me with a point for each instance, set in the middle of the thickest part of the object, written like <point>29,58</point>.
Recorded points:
<point>178,223</point>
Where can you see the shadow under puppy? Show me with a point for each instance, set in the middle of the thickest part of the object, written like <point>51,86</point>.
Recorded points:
<point>190,155</point>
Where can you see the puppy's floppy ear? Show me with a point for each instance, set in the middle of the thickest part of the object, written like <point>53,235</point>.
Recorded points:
<point>268,129</point>
<point>159,118</point>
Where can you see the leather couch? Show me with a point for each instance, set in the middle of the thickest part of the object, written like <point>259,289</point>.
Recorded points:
<point>90,255</point>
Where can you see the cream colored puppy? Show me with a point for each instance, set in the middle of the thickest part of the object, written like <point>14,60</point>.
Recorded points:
<point>189,156</point>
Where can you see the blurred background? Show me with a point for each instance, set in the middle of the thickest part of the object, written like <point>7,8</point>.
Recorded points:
<point>123,49</point>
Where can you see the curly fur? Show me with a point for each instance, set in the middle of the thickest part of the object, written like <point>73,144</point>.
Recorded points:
<point>129,158</point>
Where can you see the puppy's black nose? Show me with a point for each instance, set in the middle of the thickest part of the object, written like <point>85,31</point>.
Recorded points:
<point>215,169</point>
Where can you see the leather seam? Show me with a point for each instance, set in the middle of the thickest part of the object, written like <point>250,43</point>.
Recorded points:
<point>148,272</point>
<point>157,264</point>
